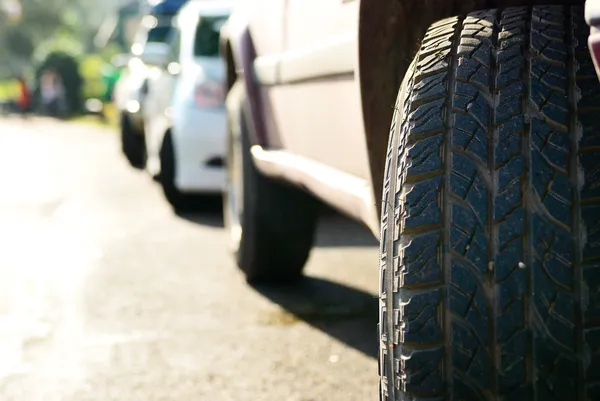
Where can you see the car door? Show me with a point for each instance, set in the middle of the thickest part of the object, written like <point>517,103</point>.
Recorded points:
<point>318,97</point>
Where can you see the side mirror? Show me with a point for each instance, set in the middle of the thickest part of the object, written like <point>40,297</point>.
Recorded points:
<point>156,54</point>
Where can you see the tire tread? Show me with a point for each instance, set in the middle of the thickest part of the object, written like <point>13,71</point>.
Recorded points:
<point>490,260</point>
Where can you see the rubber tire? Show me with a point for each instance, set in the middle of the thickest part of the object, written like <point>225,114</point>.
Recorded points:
<point>491,214</point>
<point>180,202</point>
<point>133,144</point>
<point>278,224</point>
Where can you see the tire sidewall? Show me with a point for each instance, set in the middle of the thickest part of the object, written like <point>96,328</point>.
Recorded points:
<point>168,171</point>
<point>241,243</point>
<point>231,214</point>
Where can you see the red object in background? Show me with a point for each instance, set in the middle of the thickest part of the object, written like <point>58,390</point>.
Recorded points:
<point>24,98</point>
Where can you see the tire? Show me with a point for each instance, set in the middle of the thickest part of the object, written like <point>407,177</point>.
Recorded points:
<point>490,244</point>
<point>273,225</point>
<point>180,202</point>
<point>133,144</point>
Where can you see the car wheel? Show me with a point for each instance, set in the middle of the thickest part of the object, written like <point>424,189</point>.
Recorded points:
<point>490,244</point>
<point>132,144</point>
<point>180,202</point>
<point>272,224</point>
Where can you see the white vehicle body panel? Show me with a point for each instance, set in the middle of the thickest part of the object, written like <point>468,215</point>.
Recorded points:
<point>129,93</point>
<point>197,133</point>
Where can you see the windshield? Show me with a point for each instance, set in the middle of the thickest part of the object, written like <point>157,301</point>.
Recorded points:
<point>207,36</point>
<point>159,34</point>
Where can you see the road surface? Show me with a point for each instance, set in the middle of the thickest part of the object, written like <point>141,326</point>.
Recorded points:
<point>106,294</point>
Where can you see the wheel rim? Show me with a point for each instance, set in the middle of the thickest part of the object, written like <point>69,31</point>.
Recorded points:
<point>235,190</point>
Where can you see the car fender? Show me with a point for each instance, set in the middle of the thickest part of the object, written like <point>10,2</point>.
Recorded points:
<point>237,48</point>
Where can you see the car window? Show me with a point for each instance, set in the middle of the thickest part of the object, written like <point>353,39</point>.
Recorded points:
<point>207,35</point>
<point>159,34</point>
<point>175,44</point>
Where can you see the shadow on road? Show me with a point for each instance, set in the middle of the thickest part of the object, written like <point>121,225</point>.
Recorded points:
<point>206,211</point>
<point>345,313</point>
<point>336,230</point>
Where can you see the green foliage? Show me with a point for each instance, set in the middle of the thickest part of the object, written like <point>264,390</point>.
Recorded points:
<point>46,26</point>
<point>8,90</point>
<point>67,68</point>
<point>48,33</point>
<point>91,71</point>
<point>61,42</point>
<point>39,20</point>
<point>111,50</point>
<point>17,41</point>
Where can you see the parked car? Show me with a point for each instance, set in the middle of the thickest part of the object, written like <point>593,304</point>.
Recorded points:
<point>184,115</point>
<point>468,141</point>
<point>131,89</point>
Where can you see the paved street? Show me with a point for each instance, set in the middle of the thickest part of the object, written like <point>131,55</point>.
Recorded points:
<point>106,294</point>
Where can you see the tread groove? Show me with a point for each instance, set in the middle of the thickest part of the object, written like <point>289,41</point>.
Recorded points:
<point>527,188</point>
<point>576,208</point>
<point>491,205</point>
<point>447,317</point>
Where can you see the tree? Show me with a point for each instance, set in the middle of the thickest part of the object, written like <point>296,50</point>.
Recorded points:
<point>44,26</point>
<point>67,68</point>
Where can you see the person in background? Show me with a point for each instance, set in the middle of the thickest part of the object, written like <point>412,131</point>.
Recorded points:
<point>24,97</point>
<point>61,96</point>
<point>47,92</point>
<point>53,95</point>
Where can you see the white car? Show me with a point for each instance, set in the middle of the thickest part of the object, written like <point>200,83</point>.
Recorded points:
<point>130,90</point>
<point>184,114</point>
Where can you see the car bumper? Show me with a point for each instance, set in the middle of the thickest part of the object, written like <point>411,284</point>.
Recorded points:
<point>199,142</point>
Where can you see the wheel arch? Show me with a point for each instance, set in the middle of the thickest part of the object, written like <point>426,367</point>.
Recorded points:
<point>383,66</point>
<point>166,138</point>
<point>231,73</point>
<point>237,49</point>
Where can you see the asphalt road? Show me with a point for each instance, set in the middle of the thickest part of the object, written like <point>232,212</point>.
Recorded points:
<point>106,294</point>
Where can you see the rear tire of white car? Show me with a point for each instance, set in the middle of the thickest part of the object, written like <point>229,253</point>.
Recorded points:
<point>179,201</point>
<point>132,144</point>
<point>274,224</point>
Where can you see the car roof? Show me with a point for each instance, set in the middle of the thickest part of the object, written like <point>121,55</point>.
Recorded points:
<point>190,13</point>
<point>161,7</point>
<point>207,7</point>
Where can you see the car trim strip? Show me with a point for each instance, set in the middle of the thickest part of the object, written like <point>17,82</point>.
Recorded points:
<point>343,191</point>
<point>331,58</point>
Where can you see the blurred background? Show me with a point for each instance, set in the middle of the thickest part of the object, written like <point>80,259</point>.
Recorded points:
<point>76,38</point>
<point>107,292</point>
